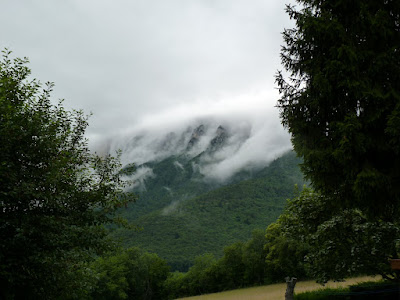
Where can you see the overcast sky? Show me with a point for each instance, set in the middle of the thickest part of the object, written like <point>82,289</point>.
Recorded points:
<point>133,62</point>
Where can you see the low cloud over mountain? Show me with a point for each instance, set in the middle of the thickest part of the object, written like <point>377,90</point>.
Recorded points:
<point>229,136</point>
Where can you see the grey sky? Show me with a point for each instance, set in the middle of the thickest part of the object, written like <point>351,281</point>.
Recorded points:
<point>132,62</point>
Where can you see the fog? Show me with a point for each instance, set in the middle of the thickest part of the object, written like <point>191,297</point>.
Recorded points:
<point>146,69</point>
<point>129,61</point>
<point>255,135</point>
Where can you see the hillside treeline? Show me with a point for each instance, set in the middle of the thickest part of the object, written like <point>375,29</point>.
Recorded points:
<point>339,100</point>
<point>209,221</point>
<point>136,274</point>
<point>311,239</point>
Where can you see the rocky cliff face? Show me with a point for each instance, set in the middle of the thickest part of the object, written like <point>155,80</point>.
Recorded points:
<point>217,149</point>
<point>196,135</point>
<point>219,140</point>
<point>191,141</point>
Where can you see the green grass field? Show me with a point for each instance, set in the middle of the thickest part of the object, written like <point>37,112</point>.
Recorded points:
<point>277,291</point>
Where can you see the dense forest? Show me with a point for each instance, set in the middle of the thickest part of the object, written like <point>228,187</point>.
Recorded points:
<point>205,223</point>
<point>65,210</point>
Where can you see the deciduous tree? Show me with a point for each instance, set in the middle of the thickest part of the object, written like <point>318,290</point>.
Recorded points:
<point>55,196</point>
<point>336,243</point>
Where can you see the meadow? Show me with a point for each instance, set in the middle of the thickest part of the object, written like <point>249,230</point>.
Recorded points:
<point>277,291</point>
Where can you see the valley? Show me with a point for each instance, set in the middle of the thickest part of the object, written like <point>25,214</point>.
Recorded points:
<point>184,214</point>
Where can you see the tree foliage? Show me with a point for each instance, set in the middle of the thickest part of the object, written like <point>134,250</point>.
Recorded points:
<point>55,196</point>
<point>242,264</point>
<point>190,225</point>
<point>130,274</point>
<point>284,254</point>
<point>340,99</point>
<point>336,243</point>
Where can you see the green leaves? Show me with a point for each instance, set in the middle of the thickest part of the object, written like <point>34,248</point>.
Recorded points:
<point>242,264</point>
<point>330,243</point>
<point>129,274</point>
<point>55,195</point>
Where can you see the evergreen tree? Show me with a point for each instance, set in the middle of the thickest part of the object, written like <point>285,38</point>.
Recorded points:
<point>340,99</point>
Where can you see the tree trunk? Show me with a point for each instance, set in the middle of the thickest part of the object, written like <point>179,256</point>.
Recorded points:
<point>291,282</point>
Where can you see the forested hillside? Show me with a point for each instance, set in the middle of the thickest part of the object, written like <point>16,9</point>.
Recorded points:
<point>212,190</point>
<point>190,218</point>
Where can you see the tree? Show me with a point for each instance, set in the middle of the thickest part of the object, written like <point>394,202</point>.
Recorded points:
<point>337,243</point>
<point>284,255</point>
<point>202,277</point>
<point>340,99</point>
<point>55,196</point>
<point>285,251</point>
<point>254,255</point>
<point>233,266</point>
<point>130,274</point>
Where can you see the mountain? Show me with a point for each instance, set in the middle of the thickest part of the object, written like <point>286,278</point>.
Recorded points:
<point>185,210</point>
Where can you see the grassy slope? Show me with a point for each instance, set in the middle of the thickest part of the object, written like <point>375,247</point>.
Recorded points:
<point>207,223</point>
<point>277,291</point>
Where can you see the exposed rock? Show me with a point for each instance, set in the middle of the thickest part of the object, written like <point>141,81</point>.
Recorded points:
<point>219,140</point>
<point>196,135</point>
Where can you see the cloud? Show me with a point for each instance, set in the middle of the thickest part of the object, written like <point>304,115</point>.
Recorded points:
<point>124,60</point>
<point>255,135</point>
<point>264,145</point>
<point>139,177</point>
<point>149,68</point>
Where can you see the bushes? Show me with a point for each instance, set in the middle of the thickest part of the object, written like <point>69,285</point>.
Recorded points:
<point>368,290</point>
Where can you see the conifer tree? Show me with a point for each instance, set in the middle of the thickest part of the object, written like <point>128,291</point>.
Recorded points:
<point>340,99</point>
